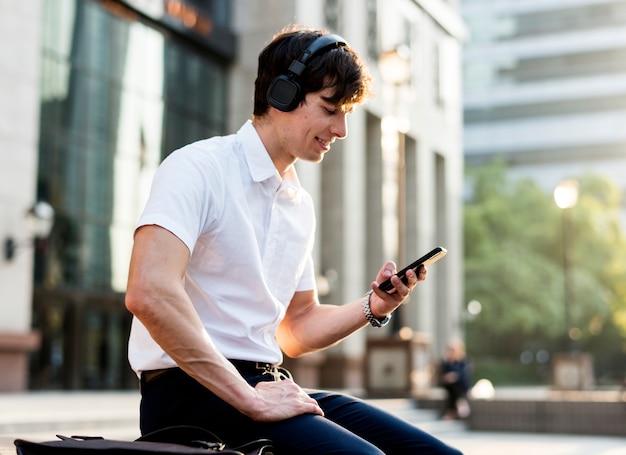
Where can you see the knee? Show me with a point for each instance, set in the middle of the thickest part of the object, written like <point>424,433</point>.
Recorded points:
<point>454,451</point>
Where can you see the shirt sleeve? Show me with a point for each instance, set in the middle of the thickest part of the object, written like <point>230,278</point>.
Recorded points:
<point>180,196</point>
<point>307,282</point>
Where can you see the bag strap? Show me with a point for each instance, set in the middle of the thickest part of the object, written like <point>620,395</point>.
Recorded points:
<point>257,447</point>
<point>193,436</point>
<point>187,435</point>
<point>99,446</point>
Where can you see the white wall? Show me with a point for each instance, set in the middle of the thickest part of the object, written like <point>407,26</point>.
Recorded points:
<point>20,28</point>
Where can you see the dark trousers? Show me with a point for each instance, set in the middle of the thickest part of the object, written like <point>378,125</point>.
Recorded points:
<point>350,425</point>
<point>454,391</point>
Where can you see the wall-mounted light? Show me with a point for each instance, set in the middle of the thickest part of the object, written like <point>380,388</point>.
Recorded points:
<point>395,65</point>
<point>39,220</point>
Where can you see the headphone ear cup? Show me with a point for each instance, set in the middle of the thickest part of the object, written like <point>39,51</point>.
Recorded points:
<point>283,93</point>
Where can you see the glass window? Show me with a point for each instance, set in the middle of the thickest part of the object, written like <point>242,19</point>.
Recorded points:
<point>116,97</point>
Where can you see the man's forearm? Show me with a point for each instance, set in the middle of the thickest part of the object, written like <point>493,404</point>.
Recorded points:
<point>321,327</point>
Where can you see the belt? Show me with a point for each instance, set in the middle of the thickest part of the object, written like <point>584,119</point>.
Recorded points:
<point>245,367</point>
<point>151,375</point>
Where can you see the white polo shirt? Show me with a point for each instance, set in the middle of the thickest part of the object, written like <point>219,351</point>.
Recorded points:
<point>250,235</point>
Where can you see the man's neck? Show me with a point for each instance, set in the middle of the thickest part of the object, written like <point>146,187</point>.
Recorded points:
<point>282,160</point>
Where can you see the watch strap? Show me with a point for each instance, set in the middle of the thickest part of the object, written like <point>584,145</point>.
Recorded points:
<point>367,311</point>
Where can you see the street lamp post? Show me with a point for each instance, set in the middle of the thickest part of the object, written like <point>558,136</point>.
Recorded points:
<point>395,72</point>
<point>571,369</point>
<point>566,197</point>
<point>397,364</point>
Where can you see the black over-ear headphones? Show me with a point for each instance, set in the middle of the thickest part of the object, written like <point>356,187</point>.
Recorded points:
<point>284,91</point>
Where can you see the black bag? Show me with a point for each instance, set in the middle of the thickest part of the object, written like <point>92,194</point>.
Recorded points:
<point>172,440</point>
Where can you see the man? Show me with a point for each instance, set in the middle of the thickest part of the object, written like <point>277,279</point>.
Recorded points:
<point>455,379</point>
<point>221,279</point>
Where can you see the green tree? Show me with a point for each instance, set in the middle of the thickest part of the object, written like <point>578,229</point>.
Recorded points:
<point>514,266</point>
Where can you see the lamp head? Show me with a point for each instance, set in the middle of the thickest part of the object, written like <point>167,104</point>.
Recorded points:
<point>39,221</point>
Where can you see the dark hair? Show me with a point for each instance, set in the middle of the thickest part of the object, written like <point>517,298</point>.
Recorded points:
<point>340,68</point>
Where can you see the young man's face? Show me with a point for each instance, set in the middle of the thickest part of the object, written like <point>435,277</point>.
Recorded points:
<point>308,131</point>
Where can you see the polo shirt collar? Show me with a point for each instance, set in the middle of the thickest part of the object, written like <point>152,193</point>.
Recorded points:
<point>259,162</point>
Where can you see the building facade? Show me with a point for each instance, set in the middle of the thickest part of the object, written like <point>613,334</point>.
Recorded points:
<point>545,87</point>
<point>108,88</point>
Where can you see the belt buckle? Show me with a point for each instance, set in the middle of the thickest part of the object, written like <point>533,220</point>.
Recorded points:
<point>276,372</point>
<point>266,368</point>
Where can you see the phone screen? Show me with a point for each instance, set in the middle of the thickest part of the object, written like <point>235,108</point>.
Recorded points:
<point>432,256</point>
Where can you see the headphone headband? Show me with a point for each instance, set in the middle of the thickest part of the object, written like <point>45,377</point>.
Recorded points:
<point>284,91</point>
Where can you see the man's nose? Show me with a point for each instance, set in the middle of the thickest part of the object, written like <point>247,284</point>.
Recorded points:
<point>339,128</point>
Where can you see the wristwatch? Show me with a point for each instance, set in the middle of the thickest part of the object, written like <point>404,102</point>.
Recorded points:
<point>367,310</point>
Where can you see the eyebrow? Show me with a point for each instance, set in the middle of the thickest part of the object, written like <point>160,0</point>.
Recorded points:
<point>345,108</point>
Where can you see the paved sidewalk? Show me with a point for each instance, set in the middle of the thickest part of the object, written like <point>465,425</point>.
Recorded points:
<point>114,415</point>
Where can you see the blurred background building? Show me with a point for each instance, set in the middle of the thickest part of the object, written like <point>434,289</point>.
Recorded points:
<point>545,95</point>
<point>95,93</point>
<point>545,87</point>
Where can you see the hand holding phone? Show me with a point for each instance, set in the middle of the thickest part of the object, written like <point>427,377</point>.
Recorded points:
<point>432,256</point>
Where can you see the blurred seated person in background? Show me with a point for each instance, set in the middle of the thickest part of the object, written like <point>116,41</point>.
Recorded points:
<point>455,379</point>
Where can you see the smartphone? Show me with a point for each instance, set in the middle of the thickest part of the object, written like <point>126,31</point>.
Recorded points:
<point>429,258</point>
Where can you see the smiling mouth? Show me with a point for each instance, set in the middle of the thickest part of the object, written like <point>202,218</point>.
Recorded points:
<point>325,144</point>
